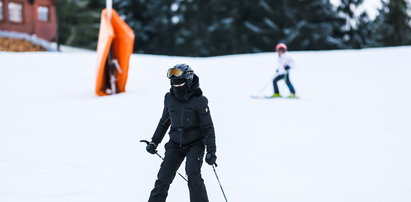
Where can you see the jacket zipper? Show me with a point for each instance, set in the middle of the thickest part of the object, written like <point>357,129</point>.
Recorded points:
<point>182,124</point>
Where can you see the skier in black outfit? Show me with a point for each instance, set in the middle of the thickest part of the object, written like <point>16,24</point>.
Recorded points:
<point>192,130</point>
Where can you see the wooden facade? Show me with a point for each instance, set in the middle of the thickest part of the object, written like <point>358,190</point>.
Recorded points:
<point>37,17</point>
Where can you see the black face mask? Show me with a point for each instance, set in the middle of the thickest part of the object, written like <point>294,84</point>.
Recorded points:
<point>177,81</point>
<point>180,91</point>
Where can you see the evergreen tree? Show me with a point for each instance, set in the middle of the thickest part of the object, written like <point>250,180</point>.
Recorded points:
<point>79,22</point>
<point>262,24</point>
<point>151,22</point>
<point>365,32</point>
<point>222,27</point>
<point>315,25</point>
<point>192,20</point>
<point>352,35</point>
<point>378,28</point>
<point>394,24</point>
<point>210,27</point>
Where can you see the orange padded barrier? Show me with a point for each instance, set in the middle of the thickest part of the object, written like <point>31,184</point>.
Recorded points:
<point>118,36</point>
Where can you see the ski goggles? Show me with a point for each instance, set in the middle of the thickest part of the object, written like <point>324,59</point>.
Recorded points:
<point>281,50</point>
<point>177,72</point>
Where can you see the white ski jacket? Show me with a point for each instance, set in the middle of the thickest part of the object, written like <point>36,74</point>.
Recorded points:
<point>282,61</point>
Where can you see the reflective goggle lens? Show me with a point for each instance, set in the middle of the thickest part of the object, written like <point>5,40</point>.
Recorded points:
<point>174,72</point>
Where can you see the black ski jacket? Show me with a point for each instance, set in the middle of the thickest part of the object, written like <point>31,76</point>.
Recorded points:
<point>190,119</point>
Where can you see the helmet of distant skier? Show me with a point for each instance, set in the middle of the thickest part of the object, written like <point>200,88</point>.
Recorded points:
<point>281,46</point>
<point>180,73</point>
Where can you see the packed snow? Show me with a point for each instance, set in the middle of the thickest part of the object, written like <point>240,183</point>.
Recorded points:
<point>348,137</point>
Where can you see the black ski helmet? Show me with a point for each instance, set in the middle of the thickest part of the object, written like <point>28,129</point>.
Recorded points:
<point>180,71</point>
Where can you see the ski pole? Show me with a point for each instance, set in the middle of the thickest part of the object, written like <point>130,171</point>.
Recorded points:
<point>177,171</point>
<point>222,190</point>
<point>264,87</point>
<point>147,142</point>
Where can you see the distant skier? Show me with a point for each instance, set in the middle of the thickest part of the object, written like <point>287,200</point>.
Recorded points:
<point>186,110</point>
<point>285,64</point>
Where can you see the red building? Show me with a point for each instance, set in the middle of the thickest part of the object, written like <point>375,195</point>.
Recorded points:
<point>37,17</point>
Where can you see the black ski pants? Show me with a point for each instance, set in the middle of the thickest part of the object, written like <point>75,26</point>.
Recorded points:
<point>173,158</point>
<point>286,78</point>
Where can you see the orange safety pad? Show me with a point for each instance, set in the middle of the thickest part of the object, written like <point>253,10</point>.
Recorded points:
<point>121,37</point>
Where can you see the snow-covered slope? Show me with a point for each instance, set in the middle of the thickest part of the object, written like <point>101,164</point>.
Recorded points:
<point>347,139</point>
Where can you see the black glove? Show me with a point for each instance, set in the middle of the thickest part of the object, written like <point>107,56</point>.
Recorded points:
<point>287,67</point>
<point>211,158</point>
<point>151,148</point>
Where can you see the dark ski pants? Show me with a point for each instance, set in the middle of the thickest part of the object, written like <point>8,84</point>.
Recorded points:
<point>286,78</point>
<point>173,158</point>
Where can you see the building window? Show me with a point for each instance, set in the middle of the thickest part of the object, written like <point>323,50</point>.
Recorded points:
<point>1,10</point>
<point>15,12</point>
<point>43,13</point>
